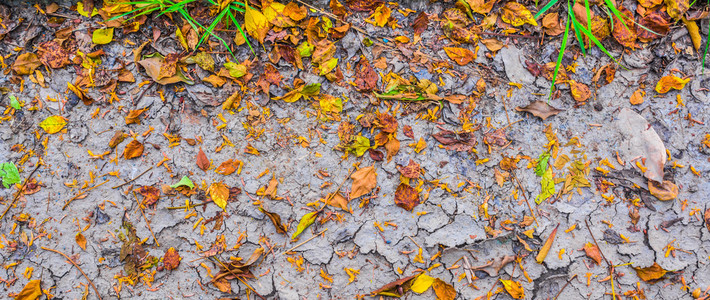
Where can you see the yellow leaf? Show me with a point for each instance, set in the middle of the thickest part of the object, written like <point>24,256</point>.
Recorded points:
<point>256,24</point>
<point>53,124</point>
<point>651,273</point>
<point>31,291</point>
<point>461,56</point>
<point>546,247</point>
<point>102,36</point>
<point>443,290</point>
<point>81,240</point>
<point>422,283</point>
<point>515,289</point>
<point>670,82</point>
<point>694,32</point>
<point>219,192</point>
<point>516,14</point>
<point>637,97</point>
<point>382,15</point>
<point>306,221</point>
<point>80,9</point>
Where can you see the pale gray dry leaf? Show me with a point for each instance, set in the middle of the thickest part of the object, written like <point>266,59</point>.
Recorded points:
<point>493,267</point>
<point>540,109</point>
<point>639,140</point>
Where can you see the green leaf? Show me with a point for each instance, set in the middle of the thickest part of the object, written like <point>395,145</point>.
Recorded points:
<point>311,89</point>
<point>306,221</point>
<point>542,163</point>
<point>360,145</point>
<point>14,103</point>
<point>236,70</point>
<point>305,49</point>
<point>547,185</point>
<point>9,174</point>
<point>185,181</point>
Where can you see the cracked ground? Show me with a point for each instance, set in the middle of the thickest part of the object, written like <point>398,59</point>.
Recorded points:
<point>444,180</point>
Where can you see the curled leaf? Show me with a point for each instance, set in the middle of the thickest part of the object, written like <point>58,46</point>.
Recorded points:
<point>546,247</point>
<point>306,221</point>
<point>540,109</point>
<point>275,219</point>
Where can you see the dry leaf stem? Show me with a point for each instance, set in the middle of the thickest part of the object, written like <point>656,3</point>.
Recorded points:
<point>77,266</point>
<point>564,286</point>
<point>81,194</point>
<point>147,223</point>
<point>134,178</point>
<point>304,242</point>
<point>525,196</point>
<point>19,192</point>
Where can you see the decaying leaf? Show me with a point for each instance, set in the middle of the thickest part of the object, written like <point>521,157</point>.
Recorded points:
<point>580,91</point>
<point>171,259</point>
<point>420,23</point>
<point>275,219</point>
<point>676,8</point>
<point>365,76</point>
<point>228,167</point>
<point>659,24</point>
<point>364,180</point>
<point>443,290</point>
<point>637,97</point>
<point>53,124</point>
<point>546,247</point>
<point>412,170</point>
<point>133,116</point>
<point>461,56</point>
<point>494,266</point>
<point>151,194</point>
<point>219,192</point>
<point>540,109</point>
<point>694,33</point>
<point>406,197</point>
<point>514,288</point>
<point>592,252</point>
<point>152,65</point>
<point>133,149</point>
<point>31,291</point>
<point>516,14</point>
<point>650,274</point>
<point>706,216</point>
<point>641,140</point>
<point>306,221</point>
<point>80,240</point>
<point>202,161</point>
<point>625,35</point>
<point>236,268</point>
<point>665,191</point>
<point>396,288</point>
<point>666,83</point>
<point>26,63</point>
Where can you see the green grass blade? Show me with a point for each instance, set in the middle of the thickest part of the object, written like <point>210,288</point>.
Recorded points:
<point>577,32</point>
<point>244,35</point>
<point>617,13</point>
<point>559,59</point>
<point>707,46</point>
<point>593,39</point>
<point>546,8</point>
<point>589,14</point>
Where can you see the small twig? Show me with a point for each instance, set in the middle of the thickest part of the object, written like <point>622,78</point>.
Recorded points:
<point>306,241</point>
<point>350,172</point>
<point>134,178</point>
<point>564,286</point>
<point>82,193</point>
<point>187,206</point>
<point>525,196</point>
<point>147,223</point>
<point>595,243</point>
<point>19,192</point>
<point>77,266</point>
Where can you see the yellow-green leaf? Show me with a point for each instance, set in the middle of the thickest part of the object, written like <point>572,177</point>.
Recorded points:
<point>547,184</point>
<point>219,192</point>
<point>53,124</point>
<point>102,36</point>
<point>306,221</point>
<point>422,283</point>
<point>514,288</point>
<point>328,66</point>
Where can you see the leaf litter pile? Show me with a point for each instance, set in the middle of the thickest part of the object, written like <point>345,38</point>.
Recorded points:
<point>336,149</point>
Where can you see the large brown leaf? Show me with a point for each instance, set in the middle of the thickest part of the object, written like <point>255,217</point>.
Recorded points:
<point>364,180</point>
<point>540,109</point>
<point>406,197</point>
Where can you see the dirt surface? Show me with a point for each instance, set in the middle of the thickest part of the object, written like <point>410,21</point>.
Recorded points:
<point>473,205</point>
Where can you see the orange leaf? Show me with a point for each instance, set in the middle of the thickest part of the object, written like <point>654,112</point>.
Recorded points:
<point>81,240</point>
<point>228,167</point>
<point>133,116</point>
<point>664,191</point>
<point>592,252</point>
<point>133,149</point>
<point>443,290</point>
<point>202,161</point>
<point>670,82</point>
<point>151,194</point>
<point>31,291</point>
<point>364,180</point>
<point>171,259</point>
<point>546,247</point>
<point>637,97</point>
<point>406,197</point>
<point>580,91</point>
<point>651,273</point>
<point>461,56</point>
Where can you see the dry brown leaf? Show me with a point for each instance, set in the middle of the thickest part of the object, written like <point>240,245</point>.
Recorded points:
<point>546,247</point>
<point>514,288</point>
<point>340,201</point>
<point>392,147</point>
<point>592,252</point>
<point>580,91</point>
<point>81,241</point>
<point>657,21</point>
<point>364,180</point>
<point>133,149</point>
<point>420,23</point>
<point>365,76</point>
<point>665,191</point>
<point>552,24</point>
<point>151,194</point>
<point>153,65</point>
<point>493,267</point>
<point>625,35</point>
<point>443,290</point>
<point>666,83</point>
<point>228,167</point>
<point>412,170</point>
<point>53,55</point>
<point>406,197</point>
<point>275,219</point>
<point>171,259</point>
<point>706,216</point>
<point>637,97</point>
<point>202,161</point>
<point>117,138</point>
<point>540,109</point>
<point>272,188</point>
<point>133,116</point>
<point>26,63</point>
<point>492,44</point>
<point>461,56</point>
<point>650,274</point>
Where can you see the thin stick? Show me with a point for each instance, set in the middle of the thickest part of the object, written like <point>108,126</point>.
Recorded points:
<point>77,266</point>
<point>302,243</point>
<point>564,286</point>
<point>525,196</point>
<point>82,193</point>
<point>19,192</point>
<point>595,243</point>
<point>187,206</point>
<point>350,172</point>
<point>147,223</point>
<point>127,182</point>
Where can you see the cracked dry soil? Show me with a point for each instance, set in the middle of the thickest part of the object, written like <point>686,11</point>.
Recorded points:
<point>472,211</point>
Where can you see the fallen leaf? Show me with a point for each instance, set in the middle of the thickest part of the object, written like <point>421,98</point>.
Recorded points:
<point>117,138</point>
<point>637,97</point>
<point>382,15</point>
<point>271,188</point>
<point>494,266</point>
<point>492,44</point>
<point>53,124</point>
<point>275,219</point>
<point>102,36</point>
<point>706,216</point>
<point>133,149</point>
<point>365,76</point>
<point>552,24</point>
<point>580,91</point>
<point>666,83</point>
<point>31,291</point>
<point>694,33</point>
<point>649,3</point>
<point>443,290</point>
<point>540,109</point>
<point>133,116</point>
<point>26,63</point>
<point>420,23</point>
<point>677,8</point>
<point>665,191</point>
<point>516,14</point>
<point>228,167</point>
<point>625,35</point>
<point>546,247</point>
<point>547,186</point>
<point>514,288</point>
<point>306,221</point>
<point>152,65</point>
<point>364,180</point>
<point>641,140</point>
<point>412,170</point>
<point>81,241</point>
<point>171,259</point>
<point>592,252</point>
<point>52,54</point>
<point>406,197</point>
<point>659,24</point>
<point>422,283</point>
<point>481,6</point>
<point>256,24</point>
<point>202,161</point>
<point>461,56</point>
<point>80,93</point>
<point>219,192</point>
<point>650,274</point>
<point>184,181</point>
<point>150,194</point>
<point>339,201</point>
<point>397,288</point>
